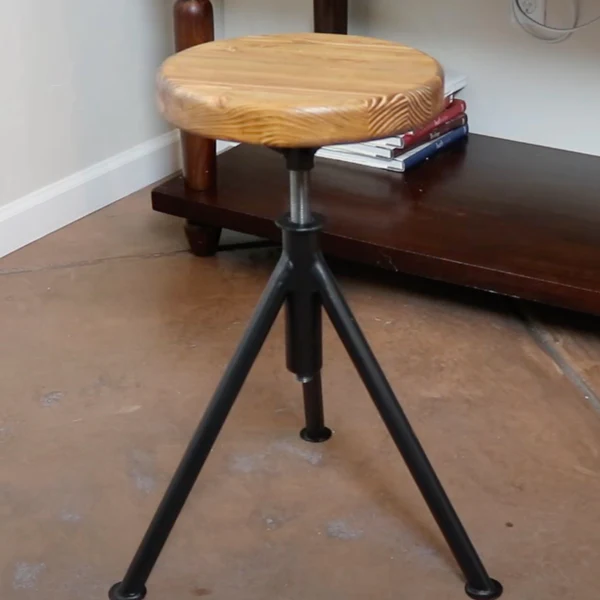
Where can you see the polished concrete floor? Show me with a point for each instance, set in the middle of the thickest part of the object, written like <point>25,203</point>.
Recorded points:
<point>113,338</point>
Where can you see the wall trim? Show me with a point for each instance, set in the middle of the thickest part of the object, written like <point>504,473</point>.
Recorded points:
<point>39,213</point>
<point>45,210</point>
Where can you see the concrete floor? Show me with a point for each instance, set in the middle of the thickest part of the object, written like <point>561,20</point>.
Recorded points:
<point>113,338</point>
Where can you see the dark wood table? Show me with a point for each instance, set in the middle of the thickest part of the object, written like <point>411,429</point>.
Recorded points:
<point>502,216</point>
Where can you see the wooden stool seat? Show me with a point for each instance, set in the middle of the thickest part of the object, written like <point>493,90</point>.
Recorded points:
<point>300,90</point>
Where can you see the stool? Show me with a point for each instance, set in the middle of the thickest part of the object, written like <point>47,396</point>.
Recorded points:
<point>296,93</point>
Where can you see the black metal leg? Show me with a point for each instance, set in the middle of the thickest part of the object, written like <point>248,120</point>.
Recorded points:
<point>315,430</point>
<point>479,583</point>
<point>133,585</point>
<point>304,344</point>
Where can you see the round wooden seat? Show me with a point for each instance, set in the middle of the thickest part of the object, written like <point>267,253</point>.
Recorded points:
<point>300,90</point>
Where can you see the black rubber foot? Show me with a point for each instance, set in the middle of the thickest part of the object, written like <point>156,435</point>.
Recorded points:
<point>495,592</point>
<point>114,594</point>
<point>322,436</point>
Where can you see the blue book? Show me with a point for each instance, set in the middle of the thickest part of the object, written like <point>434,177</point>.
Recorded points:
<point>421,153</point>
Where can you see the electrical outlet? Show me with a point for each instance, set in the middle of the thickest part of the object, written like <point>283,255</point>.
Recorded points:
<point>536,9</point>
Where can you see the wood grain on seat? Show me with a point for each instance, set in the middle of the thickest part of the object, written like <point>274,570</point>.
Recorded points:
<point>300,90</point>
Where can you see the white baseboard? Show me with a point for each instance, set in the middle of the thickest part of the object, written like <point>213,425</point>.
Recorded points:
<point>76,196</point>
<point>54,206</point>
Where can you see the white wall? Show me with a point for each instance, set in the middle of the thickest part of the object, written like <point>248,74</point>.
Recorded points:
<point>77,85</point>
<point>520,88</point>
<point>78,123</point>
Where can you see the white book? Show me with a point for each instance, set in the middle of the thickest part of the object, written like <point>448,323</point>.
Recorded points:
<point>387,164</point>
<point>387,143</point>
<point>454,82</point>
<point>372,150</point>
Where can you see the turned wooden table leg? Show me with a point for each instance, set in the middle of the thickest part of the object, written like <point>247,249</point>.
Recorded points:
<point>203,239</point>
<point>331,16</point>
<point>194,24</point>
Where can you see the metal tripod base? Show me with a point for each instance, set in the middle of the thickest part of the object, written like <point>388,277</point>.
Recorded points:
<point>303,283</point>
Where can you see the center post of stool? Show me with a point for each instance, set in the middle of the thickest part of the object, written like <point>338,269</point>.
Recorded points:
<point>299,162</point>
<point>304,331</point>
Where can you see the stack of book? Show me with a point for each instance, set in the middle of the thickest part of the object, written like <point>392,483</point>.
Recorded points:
<point>401,152</point>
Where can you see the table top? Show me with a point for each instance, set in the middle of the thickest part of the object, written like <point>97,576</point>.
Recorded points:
<point>504,216</point>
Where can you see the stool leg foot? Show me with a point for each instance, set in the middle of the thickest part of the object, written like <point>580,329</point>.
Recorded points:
<point>403,435</point>
<point>316,438</point>
<point>203,239</point>
<point>133,585</point>
<point>488,594</point>
<point>115,594</point>
<point>315,430</point>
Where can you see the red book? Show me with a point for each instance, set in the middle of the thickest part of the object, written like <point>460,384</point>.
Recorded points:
<point>426,135</point>
<point>455,110</point>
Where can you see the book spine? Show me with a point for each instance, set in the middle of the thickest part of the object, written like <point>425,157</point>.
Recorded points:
<point>436,133</point>
<point>456,109</point>
<point>434,147</point>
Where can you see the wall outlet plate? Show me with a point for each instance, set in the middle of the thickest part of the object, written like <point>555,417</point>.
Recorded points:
<point>536,9</point>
